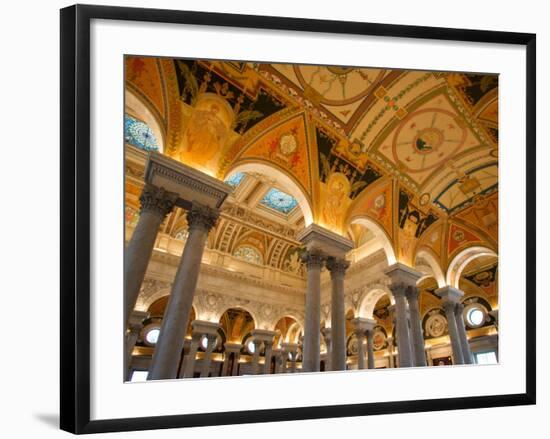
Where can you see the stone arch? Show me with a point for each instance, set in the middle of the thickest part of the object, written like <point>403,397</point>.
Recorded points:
<point>380,234</point>
<point>370,299</point>
<point>437,272</point>
<point>284,180</point>
<point>243,308</point>
<point>165,298</point>
<point>137,107</point>
<point>245,330</point>
<point>462,259</point>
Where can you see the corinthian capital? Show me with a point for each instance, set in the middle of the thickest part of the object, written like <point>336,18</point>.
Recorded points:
<point>398,289</point>
<point>202,217</point>
<point>313,259</point>
<point>337,266</point>
<point>157,200</point>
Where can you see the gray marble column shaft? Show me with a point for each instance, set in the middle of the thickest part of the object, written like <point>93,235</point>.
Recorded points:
<point>338,269</point>
<point>402,326</point>
<point>190,358</point>
<point>360,335</point>
<point>312,329</point>
<point>417,335</point>
<point>207,360</point>
<point>267,357</point>
<point>461,327</point>
<point>390,351</point>
<point>370,349</point>
<point>284,359</point>
<point>449,308</point>
<point>235,368</point>
<point>156,203</point>
<point>256,357</point>
<point>293,362</point>
<point>200,220</point>
<point>131,339</point>
<point>327,334</point>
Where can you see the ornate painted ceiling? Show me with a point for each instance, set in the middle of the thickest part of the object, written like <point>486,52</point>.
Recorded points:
<point>413,152</point>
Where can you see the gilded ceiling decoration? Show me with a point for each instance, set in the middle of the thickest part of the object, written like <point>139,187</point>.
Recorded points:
<point>415,152</point>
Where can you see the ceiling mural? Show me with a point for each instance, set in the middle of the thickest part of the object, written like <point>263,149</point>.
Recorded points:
<point>410,150</point>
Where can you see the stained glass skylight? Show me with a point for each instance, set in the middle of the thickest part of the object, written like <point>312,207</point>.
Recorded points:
<point>139,134</point>
<point>279,201</point>
<point>235,179</point>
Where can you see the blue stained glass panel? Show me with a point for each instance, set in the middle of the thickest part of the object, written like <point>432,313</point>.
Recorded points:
<point>279,201</point>
<point>235,179</point>
<point>139,134</point>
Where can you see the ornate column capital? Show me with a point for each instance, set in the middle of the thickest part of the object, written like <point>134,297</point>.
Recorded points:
<point>313,258</point>
<point>202,217</point>
<point>337,266</point>
<point>157,200</point>
<point>398,289</point>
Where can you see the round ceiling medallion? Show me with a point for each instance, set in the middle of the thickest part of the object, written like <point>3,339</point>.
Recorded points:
<point>427,139</point>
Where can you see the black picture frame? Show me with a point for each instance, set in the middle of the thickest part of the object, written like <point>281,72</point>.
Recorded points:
<point>75,217</point>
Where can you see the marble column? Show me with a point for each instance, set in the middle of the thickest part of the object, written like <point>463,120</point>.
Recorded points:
<point>156,203</point>
<point>190,358</point>
<point>360,332</point>
<point>256,356</point>
<point>337,268</point>
<point>417,334</point>
<point>132,334</point>
<point>230,348</point>
<point>267,356</point>
<point>235,369</point>
<point>289,350</point>
<point>327,334</point>
<point>312,330</point>
<point>370,349</point>
<point>402,277</point>
<point>284,359</point>
<point>466,351</point>
<point>389,340</point>
<point>450,297</point>
<point>402,326</point>
<point>360,335</point>
<point>207,359</point>
<point>293,360</point>
<point>200,219</point>
<point>186,348</point>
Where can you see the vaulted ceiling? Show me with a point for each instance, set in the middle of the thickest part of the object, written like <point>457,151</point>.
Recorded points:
<point>416,152</point>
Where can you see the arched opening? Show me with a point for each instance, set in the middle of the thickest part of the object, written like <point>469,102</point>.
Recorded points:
<point>462,259</point>
<point>376,239</point>
<point>427,263</point>
<point>158,307</point>
<point>277,180</point>
<point>288,331</point>
<point>373,300</point>
<point>149,135</point>
<point>236,323</point>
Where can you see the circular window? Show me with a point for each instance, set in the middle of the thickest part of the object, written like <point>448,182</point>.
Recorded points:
<point>152,336</point>
<point>204,342</point>
<point>475,316</point>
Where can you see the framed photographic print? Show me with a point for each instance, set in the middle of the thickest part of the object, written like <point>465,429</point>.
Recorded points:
<point>310,216</point>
